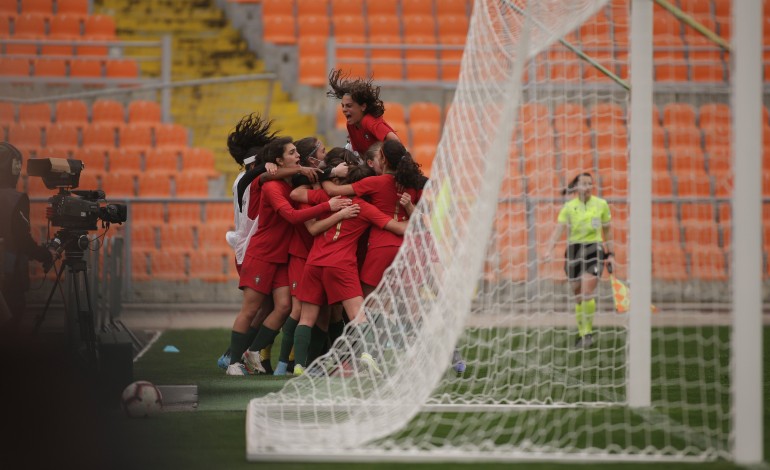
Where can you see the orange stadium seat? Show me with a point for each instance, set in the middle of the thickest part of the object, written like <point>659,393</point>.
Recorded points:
<point>450,58</point>
<point>425,133</point>
<point>117,184</point>
<point>612,159</point>
<point>277,7</point>
<point>9,7</point>
<point>169,266</point>
<point>666,231</point>
<point>563,65</point>
<point>720,162</point>
<point>38,113</point>
<point>161,161</point>
<point>662,185</point>
<point>147,214</point>
<point>693,185</point>
<point>135,135</point>
<point>707,263</point>
<point>177,237</point>
<point>126,160</point>
<point>102,25</point>
<point>378,7</point>
<point>212,237</point>
<point>62,134</point>
<point>417,7</point>
<point>347,7</point>
<point>314,26</point>
<point>279,29</point>
<point>66,24</point>
<point>198,160</point>
<point>687,160</point>
<point>381,24</point>
<point>393,54</point>
<point>424,156</point>
<point>544,185</point>
<point>144,111</point>
<point>310,47</point>
<point>72,112</point>
<point>422,64</point>
<point>669,263</point>
<point>7,112</point>
<point>311,7</point>
<point>714,115</point>
<point>219,213</point>
<point>171,135</point>
<point>452,25</point>
<point>58,49</point>
<point>209,265</point>
<point>452,7</point>
<point>577,159</point>
<point>697,7</point>
<point>598,24</point>
<point>348,25</point>
<point>663,211</point>
<point>30,23</point>
<point>121,68</point>
<point>312,71</point>
<point>669,59</point>
<point>418,25</point>
<point>93,159</point>
<point>702,235</point>
<point>724,212</point>
<point>107,112</point>
<point>186,213</point>
<point>697,213</point>
<point>140,265</point>
<point>422,111</point>
<point>24,135</point>
<point>44,7</point>
<point>53,68</point>
<point>678,114</point>
<point>74,7</point>
<point>192,185</point>
<point>14,67</point>
<point>717,137</point>
<point>154,186</point>
<point>683,136</point>
<point>88,49</point>
<point>387,71</point>
<point>24,49</point>
<point>86,68</point>
<point>5,24</point>
<point>607,114</point>
<point>99,135</point>
<point>610,136</point>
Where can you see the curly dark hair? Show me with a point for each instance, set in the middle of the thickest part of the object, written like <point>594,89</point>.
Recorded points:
<point>573,184</point>
<point>251,134</point>
<point>274,150</point>
<point>362,91</point>
<point>408,173</point>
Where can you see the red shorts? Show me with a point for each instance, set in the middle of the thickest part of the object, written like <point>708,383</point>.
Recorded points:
<point>376,262</point>
<point>296,269</point>
<point>238,267</point>
<point>326,284</point>
<point>262,276</point>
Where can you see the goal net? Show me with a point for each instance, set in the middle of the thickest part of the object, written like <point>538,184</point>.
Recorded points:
<point>530,114</point>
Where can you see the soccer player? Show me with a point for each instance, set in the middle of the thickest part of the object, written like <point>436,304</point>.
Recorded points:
<point>401,178</point>
<point>331,271</point>
<point>264,270</point>
<point>589,242</point>
<point>363,110</point>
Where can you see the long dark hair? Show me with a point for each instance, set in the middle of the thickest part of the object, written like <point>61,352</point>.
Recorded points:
<point>274,150</point>
<point>339,155</point>
<point>251,134</point>
<point>306,147</point>
<point>408,173</point>
<point>571,186</point>
<point>359,172</point>
<point>362,91</point>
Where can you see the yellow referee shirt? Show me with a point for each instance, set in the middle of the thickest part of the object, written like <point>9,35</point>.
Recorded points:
<point>585,220</point>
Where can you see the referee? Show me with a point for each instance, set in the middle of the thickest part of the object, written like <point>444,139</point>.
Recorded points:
<point>589,243</point>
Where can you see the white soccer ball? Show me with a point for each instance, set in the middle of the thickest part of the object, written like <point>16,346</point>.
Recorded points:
<point>141,399</point>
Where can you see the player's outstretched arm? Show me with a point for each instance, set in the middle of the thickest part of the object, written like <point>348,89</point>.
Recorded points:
<point>316,227</point>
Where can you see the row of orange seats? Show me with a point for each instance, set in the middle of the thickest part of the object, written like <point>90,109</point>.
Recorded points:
<point>157,214</point>
<point>101,111</point>
<point>85,70</point>
<point>68,137</point>
<point>179,237</point>
<point>125,184</point>
<point>209,266</point>
<point>39,25</point>
<point>44,7</point>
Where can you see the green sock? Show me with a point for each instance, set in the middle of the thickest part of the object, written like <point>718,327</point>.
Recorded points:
<point>318,339</point>
<point>301,344</point>
<point>589,309</point>
<point>265,337</point>
<point>287,342</point>
<point>251,334</point>
<point>335,330</point>
<point>238,344</point>
<point>580,319</point>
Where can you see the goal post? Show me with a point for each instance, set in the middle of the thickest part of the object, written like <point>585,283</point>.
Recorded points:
<point>552,372</point>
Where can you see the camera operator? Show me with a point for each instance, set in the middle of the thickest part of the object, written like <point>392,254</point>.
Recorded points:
<point>18,242</point>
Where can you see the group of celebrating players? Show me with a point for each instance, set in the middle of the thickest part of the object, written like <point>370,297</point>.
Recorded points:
<point>315,230</point>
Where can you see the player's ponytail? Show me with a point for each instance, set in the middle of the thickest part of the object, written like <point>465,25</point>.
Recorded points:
<point>573,184</point>
<point>251,132</point>
<point>407,171</point>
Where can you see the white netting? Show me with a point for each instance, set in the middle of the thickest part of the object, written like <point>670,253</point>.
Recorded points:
<point>470,273</point>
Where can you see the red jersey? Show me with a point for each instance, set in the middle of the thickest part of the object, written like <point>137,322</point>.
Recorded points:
<point>370,130</point>
<point>255,191</point>
<point>337,246</point>
<point>276,218</point>
<point>382,194</point>
<point>302,240</point>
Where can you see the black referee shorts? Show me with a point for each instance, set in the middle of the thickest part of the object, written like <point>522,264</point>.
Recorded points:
<point>583,258</point>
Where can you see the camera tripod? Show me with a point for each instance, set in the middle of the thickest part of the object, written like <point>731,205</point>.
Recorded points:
<point>83,314</point>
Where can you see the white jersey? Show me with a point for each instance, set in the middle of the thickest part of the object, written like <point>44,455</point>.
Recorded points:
<point>244,226</point>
